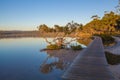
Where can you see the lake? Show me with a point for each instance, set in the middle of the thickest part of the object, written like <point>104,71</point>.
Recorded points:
<point>21,59</point>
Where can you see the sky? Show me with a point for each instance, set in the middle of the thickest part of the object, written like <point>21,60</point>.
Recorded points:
<point>28,14</point>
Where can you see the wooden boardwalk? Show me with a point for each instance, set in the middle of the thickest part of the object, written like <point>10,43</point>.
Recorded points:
<point>90,64</point>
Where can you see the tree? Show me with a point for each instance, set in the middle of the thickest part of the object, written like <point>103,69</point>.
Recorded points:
<point>118,24</point>
<point>118,8</point>
<point>58,28</point>
<point>43,28</point>
<point>107,24</point>
<point>95,17</point>
<point>72,26</point>
<point>60,41</point>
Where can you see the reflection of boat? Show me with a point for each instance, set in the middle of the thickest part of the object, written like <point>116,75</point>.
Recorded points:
<point>64,58</point>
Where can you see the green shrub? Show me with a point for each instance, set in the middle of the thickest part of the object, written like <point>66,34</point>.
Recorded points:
<point>112,58</point>
<point>53,47</point>
<point>77,47</point>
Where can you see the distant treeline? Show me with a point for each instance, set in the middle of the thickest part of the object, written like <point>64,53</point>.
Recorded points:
<point>10,34</point>
<point>45,31</point>
<point>16,34</point>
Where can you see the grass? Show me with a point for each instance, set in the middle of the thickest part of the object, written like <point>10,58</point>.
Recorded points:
<point>112,58</point>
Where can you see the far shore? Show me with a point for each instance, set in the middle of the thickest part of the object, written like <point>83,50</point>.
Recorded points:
<point>19,34</point>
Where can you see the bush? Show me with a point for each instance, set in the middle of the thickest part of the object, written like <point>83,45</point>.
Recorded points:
<point>77,47</point>
<point>53,47</point>
<point>106,38</point>
<point>85,41</point>
<point>112,58</point>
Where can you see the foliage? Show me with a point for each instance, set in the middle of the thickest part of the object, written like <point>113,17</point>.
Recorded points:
<point>95,17</point>
<point>112,58</point>
<point>106,38</point>
<point>109,23</point>
<point>43,28</point>
<point>67,29</point>
<point>76,47</point>
<point>53,46</point>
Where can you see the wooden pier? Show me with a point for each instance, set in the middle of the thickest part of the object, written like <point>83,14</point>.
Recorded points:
<point>90,64</point>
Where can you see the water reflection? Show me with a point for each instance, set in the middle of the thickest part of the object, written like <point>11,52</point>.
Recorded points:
<point>20,59</point>
<point>63,58</point>
<point>46,68</point>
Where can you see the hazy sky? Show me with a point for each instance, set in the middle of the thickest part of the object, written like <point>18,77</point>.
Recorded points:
<point>27,14</point>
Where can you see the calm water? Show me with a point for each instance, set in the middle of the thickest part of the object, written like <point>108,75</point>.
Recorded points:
<point>21,59</point>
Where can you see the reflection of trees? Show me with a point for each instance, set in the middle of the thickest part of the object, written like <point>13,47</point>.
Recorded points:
<point>59,65</point>
<point>46,68</point>
<point>63,59</point>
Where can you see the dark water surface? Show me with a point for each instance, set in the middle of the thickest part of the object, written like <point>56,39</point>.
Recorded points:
<point>21,59</point>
